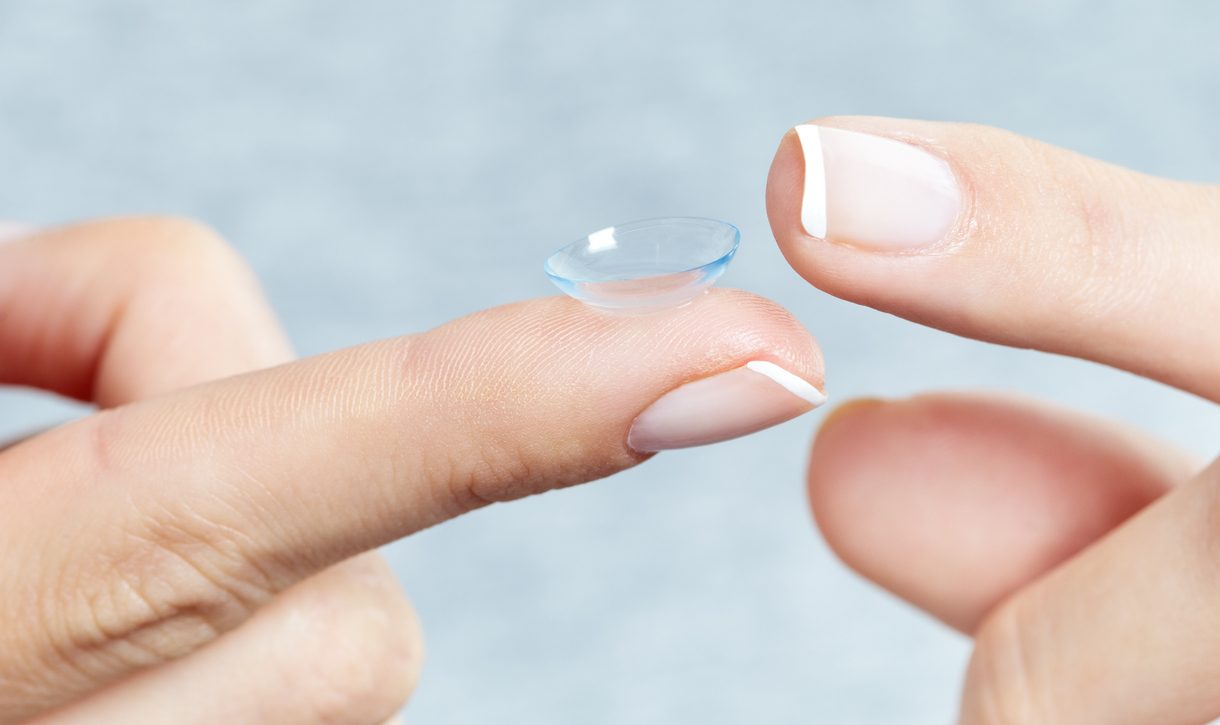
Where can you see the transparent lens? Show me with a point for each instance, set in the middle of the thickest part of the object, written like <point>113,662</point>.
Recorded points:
<point>646,265</point>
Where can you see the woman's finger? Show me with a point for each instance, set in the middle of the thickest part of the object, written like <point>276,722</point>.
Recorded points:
<point>346,638</point>
<point>954,501</point>
<point>1124,633</point>
<point>117,310</point>
<point>191,509</point>
<point>989,235</point>
<point>341,647</point>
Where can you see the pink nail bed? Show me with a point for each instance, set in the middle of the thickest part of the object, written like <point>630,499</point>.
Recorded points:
<point>874,191</point>
<point>727,405</point>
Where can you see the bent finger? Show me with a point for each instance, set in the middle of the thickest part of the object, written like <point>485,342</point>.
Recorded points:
<point>986,234</point>
<point>953,501</point>
<point>120,309</point>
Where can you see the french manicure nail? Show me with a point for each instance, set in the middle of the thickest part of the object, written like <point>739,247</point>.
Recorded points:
<point>873,191</point>
<point>754,396</point>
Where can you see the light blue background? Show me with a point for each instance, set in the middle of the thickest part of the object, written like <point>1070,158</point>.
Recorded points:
<point>387,166</point>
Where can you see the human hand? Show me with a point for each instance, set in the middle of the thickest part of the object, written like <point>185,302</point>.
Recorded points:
<point>1079,554</point>
<point>185,555</point>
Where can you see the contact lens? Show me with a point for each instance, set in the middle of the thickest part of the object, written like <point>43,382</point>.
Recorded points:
<point>646,265</point>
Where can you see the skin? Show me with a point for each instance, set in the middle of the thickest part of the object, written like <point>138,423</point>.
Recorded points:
<point>220,501</point>
<point>1081,556</point>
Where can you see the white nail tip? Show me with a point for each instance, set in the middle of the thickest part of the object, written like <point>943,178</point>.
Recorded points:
<point>794,384</point>
<point>813,201</point>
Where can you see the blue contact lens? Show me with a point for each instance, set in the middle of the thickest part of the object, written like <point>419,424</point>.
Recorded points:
<point>646,265</point>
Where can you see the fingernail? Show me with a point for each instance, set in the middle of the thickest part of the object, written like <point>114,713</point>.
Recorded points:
<point>845,411</point>
<point>10,231</point>
<point>754,396</point>
<point>873,191</point>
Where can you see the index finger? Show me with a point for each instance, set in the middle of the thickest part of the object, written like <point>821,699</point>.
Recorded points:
<point>196,506</point>
<point>986,234</point>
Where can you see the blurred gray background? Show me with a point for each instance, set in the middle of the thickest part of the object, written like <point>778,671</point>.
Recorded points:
<point>387,166</point>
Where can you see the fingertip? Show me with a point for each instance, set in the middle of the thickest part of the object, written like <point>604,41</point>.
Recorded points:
<point>778,335</point>
<point>952,501</point>
<point>727,364</point>
<point>717,329</point>
<point>785,181</point>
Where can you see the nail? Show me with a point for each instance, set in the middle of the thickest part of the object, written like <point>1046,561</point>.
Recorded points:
<point>757,395</point>
<point>846,410</point>
<point>873,191</point>
<point>10,231</point>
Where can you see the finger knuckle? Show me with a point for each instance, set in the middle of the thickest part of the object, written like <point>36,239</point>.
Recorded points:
<point>502,472</point>
<point>153,598</point>
<point>1002,684</point>
<point>367,661</point>
<point>183,248</point>
<point>165,253</point>
<point>115,617</point>
<point>151,234</point>
<point>156,584</point>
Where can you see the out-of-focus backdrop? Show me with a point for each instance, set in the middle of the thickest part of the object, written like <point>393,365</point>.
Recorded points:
<point>387,166</point>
